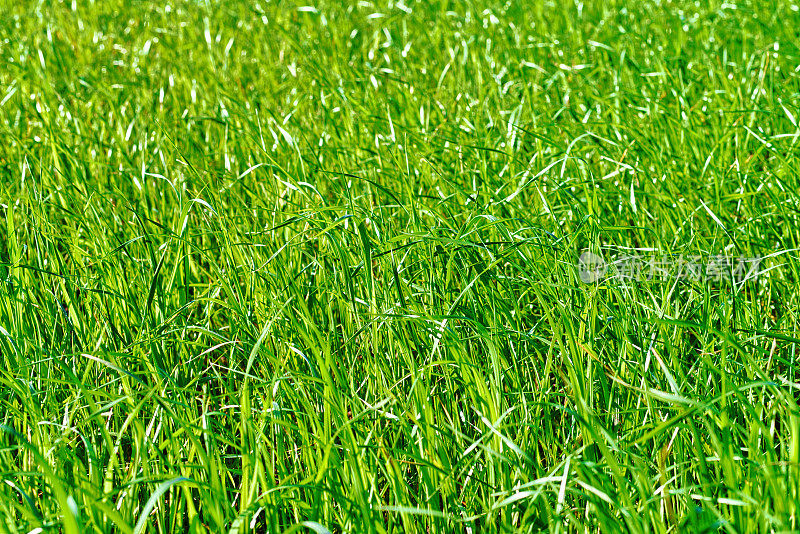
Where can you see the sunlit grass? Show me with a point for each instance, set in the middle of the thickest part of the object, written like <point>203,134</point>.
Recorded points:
<point>283,267</point>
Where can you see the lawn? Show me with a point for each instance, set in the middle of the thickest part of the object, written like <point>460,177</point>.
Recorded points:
<point>399,266</point>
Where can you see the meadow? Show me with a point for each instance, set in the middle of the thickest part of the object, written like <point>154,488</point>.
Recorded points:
<point>311,266</point>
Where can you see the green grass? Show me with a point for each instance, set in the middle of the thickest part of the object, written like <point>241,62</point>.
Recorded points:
<point>269,267</point>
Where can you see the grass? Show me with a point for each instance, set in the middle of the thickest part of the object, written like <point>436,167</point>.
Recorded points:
<point>274,267</point>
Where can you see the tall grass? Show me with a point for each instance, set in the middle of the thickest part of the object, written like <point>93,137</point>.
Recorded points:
<point>275,267</point>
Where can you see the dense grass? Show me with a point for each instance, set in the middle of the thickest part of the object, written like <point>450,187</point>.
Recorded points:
<point>269,267</point>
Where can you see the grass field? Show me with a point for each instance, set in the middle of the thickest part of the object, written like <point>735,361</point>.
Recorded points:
<point>275,267</point>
